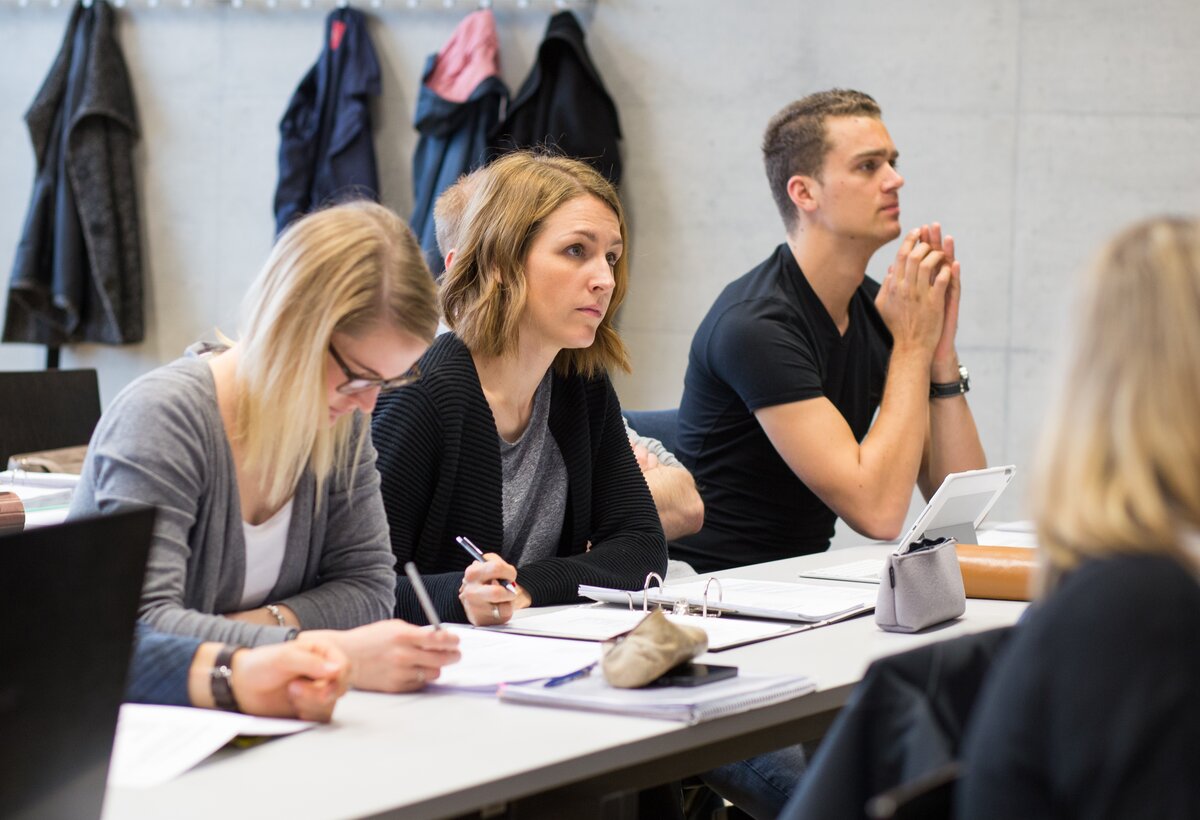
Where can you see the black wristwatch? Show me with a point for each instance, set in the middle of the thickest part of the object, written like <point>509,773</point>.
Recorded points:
<point>946,390</point>
<point>222,677</point>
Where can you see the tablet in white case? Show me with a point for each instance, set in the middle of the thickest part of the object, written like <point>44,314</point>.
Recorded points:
<point>959,505</point>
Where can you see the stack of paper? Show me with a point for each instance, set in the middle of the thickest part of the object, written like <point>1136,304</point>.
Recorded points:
<point>690,704</point>
<point>157,743</point>
<point>492,658</point>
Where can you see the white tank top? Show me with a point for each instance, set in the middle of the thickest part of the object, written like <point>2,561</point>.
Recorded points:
<point>265,545</point>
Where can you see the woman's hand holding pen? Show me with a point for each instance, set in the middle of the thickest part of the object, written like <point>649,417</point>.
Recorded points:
<point>393,655</point>
<point>484,597</point>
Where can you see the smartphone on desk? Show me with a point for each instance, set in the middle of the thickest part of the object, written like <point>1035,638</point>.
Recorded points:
<point>695,674</point>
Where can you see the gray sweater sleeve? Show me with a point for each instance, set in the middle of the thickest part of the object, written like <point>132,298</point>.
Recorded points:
<point>154,445</point>
<point>161,442</point>
<point>358,582</point>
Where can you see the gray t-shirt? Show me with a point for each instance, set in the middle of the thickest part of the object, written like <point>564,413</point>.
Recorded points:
<point>535,487</point>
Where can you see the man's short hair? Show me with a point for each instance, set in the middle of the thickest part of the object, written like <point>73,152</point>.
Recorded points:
<point>448,212</point>
<point>796,140</point>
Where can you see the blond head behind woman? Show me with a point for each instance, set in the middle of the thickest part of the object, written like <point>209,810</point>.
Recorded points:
<point>346,271</point>
<point>1119,468</point>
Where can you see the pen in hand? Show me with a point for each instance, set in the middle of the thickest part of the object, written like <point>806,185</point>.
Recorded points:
<point>477,554</point>
<point>410,569</point>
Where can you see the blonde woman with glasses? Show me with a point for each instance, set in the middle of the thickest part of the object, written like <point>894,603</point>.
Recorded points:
<point>258,456</point>
<point>1092,710</point>
<point>513,437</point>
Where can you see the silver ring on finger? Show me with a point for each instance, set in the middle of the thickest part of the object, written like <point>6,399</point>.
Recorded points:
<point>496,611</point>
<point>420,676</point>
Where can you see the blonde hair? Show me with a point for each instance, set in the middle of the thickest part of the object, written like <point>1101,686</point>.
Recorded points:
<point>483,294</point>
<point>1119,468</point>
<point>448,212</point>
<point>344,269</point>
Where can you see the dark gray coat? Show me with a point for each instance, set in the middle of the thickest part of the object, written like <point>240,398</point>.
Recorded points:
<point>77,276</point>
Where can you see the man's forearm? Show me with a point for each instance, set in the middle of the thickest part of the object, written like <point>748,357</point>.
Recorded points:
<point>892,452</point>
<point>954,444</point>
<point>680,508</point>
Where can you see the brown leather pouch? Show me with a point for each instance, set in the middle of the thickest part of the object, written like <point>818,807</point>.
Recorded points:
<point>12,513</point>
<point>1004,573</point>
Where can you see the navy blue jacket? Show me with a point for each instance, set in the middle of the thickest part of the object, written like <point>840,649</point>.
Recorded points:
<point>158,667</point>
<point>326,153</point>
<point>77,276</point>
<point>454,141</point>
<point>563,104</point>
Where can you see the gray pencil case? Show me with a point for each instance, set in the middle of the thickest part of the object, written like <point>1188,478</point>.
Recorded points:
<point>920,587</point>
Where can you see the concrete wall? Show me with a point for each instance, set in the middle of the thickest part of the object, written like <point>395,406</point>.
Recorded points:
<point>1031,130</point>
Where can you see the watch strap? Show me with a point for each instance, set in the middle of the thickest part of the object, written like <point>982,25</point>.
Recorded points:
<point>946,390</point>
<point>222,679</point>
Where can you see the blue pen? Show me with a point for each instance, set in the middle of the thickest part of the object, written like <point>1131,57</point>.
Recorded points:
<point>477,554</point>
<point>570,676</point>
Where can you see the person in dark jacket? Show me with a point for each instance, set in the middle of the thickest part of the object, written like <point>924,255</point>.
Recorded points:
<point>513,437</point>
<point>459,105</point>
<point>1092,710</point>
<point>77,276</point>
<point>563,104</point>
<point>326,152</point>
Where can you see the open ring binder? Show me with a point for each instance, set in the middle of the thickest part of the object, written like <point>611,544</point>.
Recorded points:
<point>774,600</point>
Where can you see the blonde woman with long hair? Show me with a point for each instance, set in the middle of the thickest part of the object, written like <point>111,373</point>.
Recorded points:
<point>1092,711</point>
<point>513,438</point>
<point>257,455</point>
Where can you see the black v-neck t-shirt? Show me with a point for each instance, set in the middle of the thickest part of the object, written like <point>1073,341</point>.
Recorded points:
<point>768,340</point>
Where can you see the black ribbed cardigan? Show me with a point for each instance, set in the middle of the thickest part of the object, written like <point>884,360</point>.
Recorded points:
<point>439,458</point>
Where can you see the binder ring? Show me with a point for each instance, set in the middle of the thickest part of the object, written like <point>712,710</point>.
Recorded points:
<point>720,596</point>
<point>646,587</point>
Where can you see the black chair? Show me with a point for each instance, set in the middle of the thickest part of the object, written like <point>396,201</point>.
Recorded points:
<point>929,797</point>
<point>899,734</point>
<point>660,424</point>
<point>46,409</point>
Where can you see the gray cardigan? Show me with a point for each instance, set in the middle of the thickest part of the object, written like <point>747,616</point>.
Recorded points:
<point>162,442</point>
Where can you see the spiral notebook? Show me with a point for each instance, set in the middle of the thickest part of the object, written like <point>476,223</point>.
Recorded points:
<point>688,704</point>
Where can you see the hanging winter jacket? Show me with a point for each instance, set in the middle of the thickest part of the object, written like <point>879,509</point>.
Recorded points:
<point>461,101</point>
<point>77,276</point>
<point>563,105</point>
<point>327,152</point>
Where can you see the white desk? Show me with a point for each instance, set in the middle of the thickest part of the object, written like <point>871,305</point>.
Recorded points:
<point>438,755</point>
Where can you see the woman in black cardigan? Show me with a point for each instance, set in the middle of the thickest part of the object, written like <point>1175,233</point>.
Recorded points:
<point>513,436</point>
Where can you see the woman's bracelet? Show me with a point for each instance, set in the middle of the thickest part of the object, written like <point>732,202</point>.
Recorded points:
<point>276,614</point>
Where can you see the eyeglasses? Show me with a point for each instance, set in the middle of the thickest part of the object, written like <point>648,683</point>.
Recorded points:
<point>357,383</point>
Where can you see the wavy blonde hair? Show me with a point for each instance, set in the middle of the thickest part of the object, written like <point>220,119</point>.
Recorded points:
<point>344,269</point>
<point>508,206</point>
<point>1119,468</point>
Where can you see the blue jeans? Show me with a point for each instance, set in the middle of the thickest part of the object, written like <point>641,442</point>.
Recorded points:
<point>760,786</point>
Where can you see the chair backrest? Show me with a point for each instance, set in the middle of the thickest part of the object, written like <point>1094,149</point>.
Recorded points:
<point>68,599</point>
<point>929,797</point>
<point>660,424</point>
<point>46,409</point>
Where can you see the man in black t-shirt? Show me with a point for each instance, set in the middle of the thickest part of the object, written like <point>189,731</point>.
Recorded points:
<point>791,363</point>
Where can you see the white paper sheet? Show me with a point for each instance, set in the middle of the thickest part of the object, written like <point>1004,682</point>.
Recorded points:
<point>492,658</point>
<point>157,743</point>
